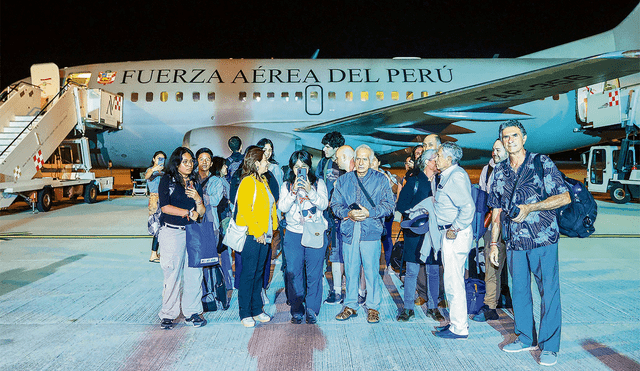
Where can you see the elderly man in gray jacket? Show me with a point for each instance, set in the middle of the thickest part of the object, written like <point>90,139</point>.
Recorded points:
<point>454,209</point>
<point>362,199</point>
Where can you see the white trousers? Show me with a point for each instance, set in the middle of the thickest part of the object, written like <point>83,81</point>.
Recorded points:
<point>182,285</point>
<point>454,258</point>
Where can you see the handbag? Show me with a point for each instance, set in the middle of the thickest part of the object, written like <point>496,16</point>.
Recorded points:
<point>236,235</point>
<point>313,234</point>
<point>202,244</point>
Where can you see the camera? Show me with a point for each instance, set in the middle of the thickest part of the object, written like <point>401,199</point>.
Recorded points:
<point>302,173</point>
<point>513,213</point>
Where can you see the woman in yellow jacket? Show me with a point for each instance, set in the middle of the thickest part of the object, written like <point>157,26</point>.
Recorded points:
<point>261,220</point>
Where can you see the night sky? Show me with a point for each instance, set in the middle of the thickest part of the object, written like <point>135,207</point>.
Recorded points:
<point>76,33</point>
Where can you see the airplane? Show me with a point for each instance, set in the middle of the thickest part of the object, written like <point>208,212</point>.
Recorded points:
<point>388,104</point>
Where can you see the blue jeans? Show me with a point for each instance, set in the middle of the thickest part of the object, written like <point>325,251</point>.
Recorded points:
<point>410,282</point>
<point>251,277</point>
<point>365,254</point>
<point>303,274</point>
<point>543,263</point>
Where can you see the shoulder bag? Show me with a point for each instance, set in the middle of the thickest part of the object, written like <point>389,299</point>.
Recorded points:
<point>236,235</point>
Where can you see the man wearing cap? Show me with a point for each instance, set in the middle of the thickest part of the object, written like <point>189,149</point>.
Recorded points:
<point>454,210</point>
<point>417,189</point>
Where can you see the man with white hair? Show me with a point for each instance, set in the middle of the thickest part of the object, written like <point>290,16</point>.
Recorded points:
<point>454,209</point>
<point>361,199</point>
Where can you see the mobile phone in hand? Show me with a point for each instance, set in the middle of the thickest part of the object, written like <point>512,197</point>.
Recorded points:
<point>161,161</point>
<point>302,173</point>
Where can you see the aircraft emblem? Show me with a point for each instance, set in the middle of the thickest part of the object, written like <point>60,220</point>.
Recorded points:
<point>614,98</point>
<point>107,77</point>
<point>17,173</point>
<point>38,160</point>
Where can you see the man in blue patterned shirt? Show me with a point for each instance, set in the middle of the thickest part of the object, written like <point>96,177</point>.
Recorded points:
<point>530,231</point>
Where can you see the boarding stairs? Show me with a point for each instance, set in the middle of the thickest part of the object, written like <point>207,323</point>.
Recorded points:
<point>29,134</point>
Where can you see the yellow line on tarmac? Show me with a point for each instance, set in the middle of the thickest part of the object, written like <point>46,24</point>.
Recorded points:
<point>614,236</point>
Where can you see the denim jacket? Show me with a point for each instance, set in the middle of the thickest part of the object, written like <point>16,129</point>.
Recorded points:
<point>347,191</point>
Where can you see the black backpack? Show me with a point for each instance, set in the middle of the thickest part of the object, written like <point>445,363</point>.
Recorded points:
<point>577,218</point>
<point>214,291</point>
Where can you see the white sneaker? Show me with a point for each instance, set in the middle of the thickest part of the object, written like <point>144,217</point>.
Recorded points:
<point>262,317</point>
<point>248,322</point>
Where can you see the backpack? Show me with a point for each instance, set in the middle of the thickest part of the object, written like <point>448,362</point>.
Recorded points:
<point>475,289</point>
<point>214,291</point>
<point>577,218</point>
<point>476,261</point>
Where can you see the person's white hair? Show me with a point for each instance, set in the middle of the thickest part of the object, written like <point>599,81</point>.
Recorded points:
<point>371,153</point>
<point>452,150</point>
<point>426,156</point>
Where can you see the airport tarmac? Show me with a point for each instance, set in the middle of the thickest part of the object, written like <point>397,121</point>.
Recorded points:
<point>77,293</point>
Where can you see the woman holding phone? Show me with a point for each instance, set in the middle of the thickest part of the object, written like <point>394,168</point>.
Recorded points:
<point>303,198</point>
<point>153,175</point>
<point>257,211</point>
<point>180,199</point>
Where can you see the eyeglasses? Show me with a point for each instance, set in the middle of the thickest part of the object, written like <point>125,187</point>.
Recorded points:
<point>309,211</point>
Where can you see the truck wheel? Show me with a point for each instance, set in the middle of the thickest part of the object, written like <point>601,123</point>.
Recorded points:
<point>44,200</point>
<point>90,193</point>
<point>619,194</point>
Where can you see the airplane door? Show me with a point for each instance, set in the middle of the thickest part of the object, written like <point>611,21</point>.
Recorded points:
<point>313,99</point>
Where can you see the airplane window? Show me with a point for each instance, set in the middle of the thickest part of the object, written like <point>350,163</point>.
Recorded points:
<point>395,95</point>
<point>409,95</point>
<point>556,97</point>
<point>298,95</point>
<point>424,94</point>
<point>179,96</point>
<point>380,95</point>
<point>149,97</point>
<point>134,97</point>
<point>332,95</point>
<point>271,95</point>
<point>313,95</point>
<point>256,96</point>
<point>364,96</point>
<point>211,96</point>
<point>285,96</point>
<point>242,96</point>
<point>349,96</point>
<point>164,96</point>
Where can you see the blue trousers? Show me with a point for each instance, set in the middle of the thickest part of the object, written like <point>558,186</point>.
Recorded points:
<point>387,242</point>
<point>251,277</point>
<point>365,254</point>
<point>303,274</point>
<point>266,269</point>
<point>543,263</point>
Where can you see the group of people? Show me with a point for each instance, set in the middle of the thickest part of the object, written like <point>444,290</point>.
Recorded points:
<point>338,215</point>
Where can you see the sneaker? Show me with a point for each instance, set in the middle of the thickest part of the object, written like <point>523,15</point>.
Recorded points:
<point>262,317</point>
<point>166,324</point>
<point>333,298</point>
<point>447,334</point>
<point>517,346</point>
<point>296,320</point>
<point>548,358</point>
<point>312,319</point>
<point>197,320</point>
<point>406,315</point>
<point>248,322</point>
<point>486,314</point>
<point>434,313</point>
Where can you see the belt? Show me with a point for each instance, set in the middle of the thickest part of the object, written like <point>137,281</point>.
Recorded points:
<point>443,227</point>
<point>172,226</point>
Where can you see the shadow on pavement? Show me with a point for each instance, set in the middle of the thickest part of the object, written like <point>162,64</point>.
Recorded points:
<point>20,277</point>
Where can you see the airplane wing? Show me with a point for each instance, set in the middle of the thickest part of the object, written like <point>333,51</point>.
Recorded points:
<point>490,101</point>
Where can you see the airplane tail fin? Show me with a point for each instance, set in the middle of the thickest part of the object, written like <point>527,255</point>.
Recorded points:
<point>625,36</point>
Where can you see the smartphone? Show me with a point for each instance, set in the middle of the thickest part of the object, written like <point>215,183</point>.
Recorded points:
<point>354,206</point>
<point>190,185</point>
<point>302,173</point>
<point>161,162</point>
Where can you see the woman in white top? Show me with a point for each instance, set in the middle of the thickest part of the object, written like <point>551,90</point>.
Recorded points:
<point>303,198</point>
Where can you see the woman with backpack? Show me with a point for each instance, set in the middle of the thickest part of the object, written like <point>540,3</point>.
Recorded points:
<point>153,175</point>
<point>303,198</point>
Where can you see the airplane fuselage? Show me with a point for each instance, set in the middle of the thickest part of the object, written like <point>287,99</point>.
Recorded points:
<point>166,99</point>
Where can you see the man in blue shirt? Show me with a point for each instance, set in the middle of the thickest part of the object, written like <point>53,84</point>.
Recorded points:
<point>530,231</point>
